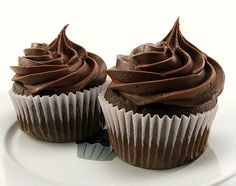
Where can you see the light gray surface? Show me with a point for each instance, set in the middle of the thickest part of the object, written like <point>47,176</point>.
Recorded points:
<point>230,182</point>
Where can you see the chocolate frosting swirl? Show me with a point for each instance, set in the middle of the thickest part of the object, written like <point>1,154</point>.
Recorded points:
<point>60,67</point>
<point>172,72</point>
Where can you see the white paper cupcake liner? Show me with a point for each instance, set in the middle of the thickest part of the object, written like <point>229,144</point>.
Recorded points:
<point>95,151</point>
<point>156,142</point>
<point>63,118</point>
<point>96,148</point>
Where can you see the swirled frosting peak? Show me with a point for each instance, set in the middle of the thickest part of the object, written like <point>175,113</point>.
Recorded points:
<point>60,67</point>
<point>172,72</point>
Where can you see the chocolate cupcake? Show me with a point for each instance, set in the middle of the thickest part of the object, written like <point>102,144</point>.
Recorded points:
<point>161,102</point>
<point>96,148</point>
<point>55,91</point>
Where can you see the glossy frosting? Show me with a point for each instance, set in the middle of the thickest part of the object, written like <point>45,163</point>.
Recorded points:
<point>60,67</point>
<point>172,72</point>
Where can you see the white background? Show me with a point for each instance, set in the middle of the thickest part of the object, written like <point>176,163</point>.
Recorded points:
<point>108,28</point>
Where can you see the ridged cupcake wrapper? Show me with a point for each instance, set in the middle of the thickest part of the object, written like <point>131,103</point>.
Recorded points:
<point>95,151</point>
<point>63,118</point>
<point>156,142</point>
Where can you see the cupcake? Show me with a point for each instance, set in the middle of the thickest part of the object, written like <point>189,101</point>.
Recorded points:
<point>55,91</point>
<point>96,147</point>
<point>161,102</point>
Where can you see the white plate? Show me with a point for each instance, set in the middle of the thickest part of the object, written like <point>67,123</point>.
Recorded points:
<point>30,162</point>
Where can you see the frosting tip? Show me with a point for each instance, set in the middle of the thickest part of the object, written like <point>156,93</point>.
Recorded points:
<point>64,28</point>
<point>177,21</point>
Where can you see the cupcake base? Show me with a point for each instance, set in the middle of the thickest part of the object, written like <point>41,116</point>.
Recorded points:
<point>96,148</point>
<point>60,118</point>
<point>159,157</point>
<point>155,142</point>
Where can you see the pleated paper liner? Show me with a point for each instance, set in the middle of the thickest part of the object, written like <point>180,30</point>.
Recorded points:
<point>63,118</point>
<point>96,148</point>
<point>155,142</point>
